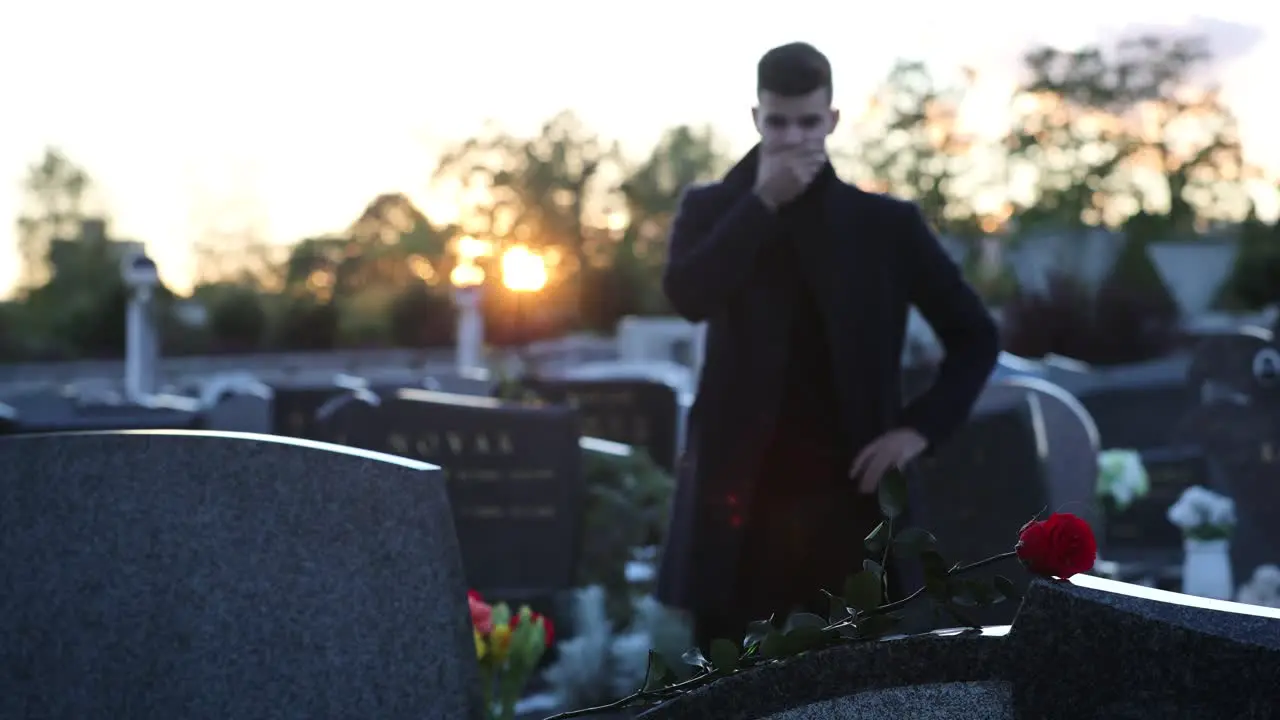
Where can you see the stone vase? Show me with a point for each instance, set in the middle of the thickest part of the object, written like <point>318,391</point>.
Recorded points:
<point>1206,569</point>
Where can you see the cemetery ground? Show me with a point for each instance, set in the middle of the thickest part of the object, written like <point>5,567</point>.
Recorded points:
<point>304,551</point>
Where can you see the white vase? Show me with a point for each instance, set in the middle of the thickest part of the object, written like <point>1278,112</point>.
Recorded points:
<point>1206,569</point>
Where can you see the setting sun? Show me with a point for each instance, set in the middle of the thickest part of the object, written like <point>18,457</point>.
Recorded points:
<point>523,270</point>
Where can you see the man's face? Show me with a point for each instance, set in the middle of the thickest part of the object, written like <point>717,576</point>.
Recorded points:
<point>788,122</point>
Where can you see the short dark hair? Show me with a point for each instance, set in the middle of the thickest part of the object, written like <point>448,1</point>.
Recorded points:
<point>793,70</point>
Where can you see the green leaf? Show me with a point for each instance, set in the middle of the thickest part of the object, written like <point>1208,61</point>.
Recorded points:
<point>837,610</point>
<point>724,655</point>
<point>936,583</point>
<point>874,626</point>
<point>863,591</point>
<point>694,658</point>
<point>872,566</point>
<point>876,541</point>
<point>774,645</point>
<point>892,494</point>
<point>911,542</point>
<point>804,620</point>
<point>803,639</point>
<point>658,675</point>
<point>1006,587</point>
<point>757,631</point>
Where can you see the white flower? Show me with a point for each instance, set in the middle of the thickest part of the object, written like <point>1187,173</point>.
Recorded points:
<point>1122,476</point>
<point>1199,510</point>
<point>1263,589</point>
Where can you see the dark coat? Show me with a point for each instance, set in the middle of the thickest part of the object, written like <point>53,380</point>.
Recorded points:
<point>876,259</point>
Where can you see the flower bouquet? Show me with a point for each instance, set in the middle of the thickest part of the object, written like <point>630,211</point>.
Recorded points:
<point>1203,514</point>
<point>1122,478</point>
<point>1060,546</point>
<point>1206,520</point>
<point>509,647</point>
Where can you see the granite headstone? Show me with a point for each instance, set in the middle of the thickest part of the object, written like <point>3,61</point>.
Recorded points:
<point>640,413</point>
<point>514,476</point>
<point>1066,437</point>
<point>169,574</point>
<point>1087,648</point>
<point>980,487</point>
<point>1237,422</point>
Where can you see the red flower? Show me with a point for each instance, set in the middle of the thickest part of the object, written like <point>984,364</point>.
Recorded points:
<point>1060,546</point>
<point>549,630</point>
<point>481,613</point>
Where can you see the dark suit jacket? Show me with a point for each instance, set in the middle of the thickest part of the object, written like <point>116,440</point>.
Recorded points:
<point>876,259</point>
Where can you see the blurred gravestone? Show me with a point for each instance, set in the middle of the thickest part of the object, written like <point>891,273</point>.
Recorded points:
<point>1138,407</point>
<point>982,486</point>
<point>39,413</point>
<point>1066,440</point>
<point>237,403</point>
<point>514,475</point>
<point>294,407</point>
<point>1237,380</point>
<point>639,413</point>
<point>162,575</point>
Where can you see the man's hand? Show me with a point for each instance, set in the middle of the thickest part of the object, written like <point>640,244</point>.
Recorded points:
<point>783,174</point>
<point>894,449</point>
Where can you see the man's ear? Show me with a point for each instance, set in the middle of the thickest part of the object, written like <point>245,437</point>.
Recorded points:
<point>755,117</point>
<point>835,120</point>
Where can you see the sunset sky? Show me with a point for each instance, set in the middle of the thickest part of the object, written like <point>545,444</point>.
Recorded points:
<point>306,111</point>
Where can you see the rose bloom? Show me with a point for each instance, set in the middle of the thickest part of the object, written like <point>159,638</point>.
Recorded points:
<point>1060,546</point>
<point>481,613</point>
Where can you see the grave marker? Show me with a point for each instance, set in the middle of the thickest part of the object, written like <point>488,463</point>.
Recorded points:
<point>640,413</point>
<point>1087,648</point>
<point>205,576</point>
<point>1066,438</point>
<point>1238,424</point>
<point>981,487</point>
<point>514,475</point>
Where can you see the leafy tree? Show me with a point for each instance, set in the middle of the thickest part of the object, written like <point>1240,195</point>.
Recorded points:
<point>545,191</point>
<point>55,195</point>
<point>1096,129</point>
<point>911,143</point>
<point>1255,280</point>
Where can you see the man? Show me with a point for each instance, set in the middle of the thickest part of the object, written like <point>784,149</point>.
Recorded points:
<point>805,283</point>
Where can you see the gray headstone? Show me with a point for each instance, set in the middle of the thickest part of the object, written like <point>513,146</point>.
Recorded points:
<point>514,475</point>
<point>1088,648</point>
<point>640,413</point>
<point>1237,422</point>
<point>1136,407</point>
<point>982,486</point>
<point>162,575</point>
<point>1066,440</point>
<point>240,412</point>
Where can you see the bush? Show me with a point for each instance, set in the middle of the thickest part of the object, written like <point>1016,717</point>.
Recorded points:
<point>1115,326</point>
<point>237,320</point>
<point>305,323</point>
<point>626,509</point>
<point>421,317</point>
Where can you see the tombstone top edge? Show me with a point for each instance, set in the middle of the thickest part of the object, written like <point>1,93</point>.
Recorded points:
<point>1166,597</point>
<point>230,435</point>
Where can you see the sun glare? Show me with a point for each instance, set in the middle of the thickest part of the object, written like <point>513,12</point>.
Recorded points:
<point>523,270</point>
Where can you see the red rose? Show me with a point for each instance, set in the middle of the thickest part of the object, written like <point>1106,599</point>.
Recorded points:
<point>1060,546</point>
